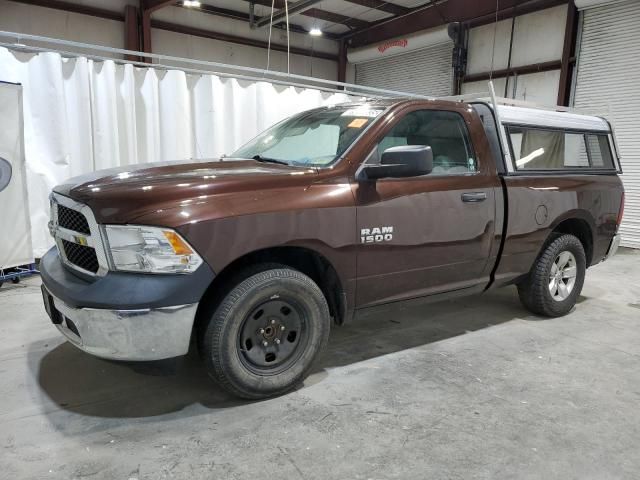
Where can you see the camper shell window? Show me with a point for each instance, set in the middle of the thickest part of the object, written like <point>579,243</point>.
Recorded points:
<point>542,148</point>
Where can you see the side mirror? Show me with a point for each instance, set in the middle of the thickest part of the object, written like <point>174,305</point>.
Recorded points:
<point>400,162</point>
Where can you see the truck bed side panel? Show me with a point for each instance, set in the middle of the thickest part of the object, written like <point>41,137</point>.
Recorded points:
<point>538,204</point>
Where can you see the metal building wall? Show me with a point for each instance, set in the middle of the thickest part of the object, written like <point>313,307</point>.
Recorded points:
<point>50,22</point>
<point>538,37</point>
<point>608,83</point>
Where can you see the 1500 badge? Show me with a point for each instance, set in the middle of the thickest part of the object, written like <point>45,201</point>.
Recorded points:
<point>376,234</point>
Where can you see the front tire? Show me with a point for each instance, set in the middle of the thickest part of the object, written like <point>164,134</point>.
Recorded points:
<point>266,333</point>
<point>556,278</point>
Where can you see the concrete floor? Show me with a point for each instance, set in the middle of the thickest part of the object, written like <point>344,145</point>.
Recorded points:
<point>476,388</point>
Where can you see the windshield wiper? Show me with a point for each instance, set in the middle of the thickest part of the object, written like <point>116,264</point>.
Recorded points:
<point>259,158</point>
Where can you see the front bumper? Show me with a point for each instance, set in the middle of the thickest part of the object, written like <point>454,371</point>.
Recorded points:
<point>147,334</point>
<point>123,316</point>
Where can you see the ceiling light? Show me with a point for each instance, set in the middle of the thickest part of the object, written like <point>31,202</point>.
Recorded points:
<point>315,32</point>
<point>191,3</point>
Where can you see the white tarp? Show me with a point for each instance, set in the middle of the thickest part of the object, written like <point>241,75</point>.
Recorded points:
<point>15,231</point>
<point>82,115</point>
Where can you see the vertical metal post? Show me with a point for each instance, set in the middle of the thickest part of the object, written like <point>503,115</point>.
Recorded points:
<point>568,49</point>
<point>342,62</point>
<point>576,68</point>
<point>146,32</point>
<point>506,80</point>
<point>132,32</point>
<point>459,57</point>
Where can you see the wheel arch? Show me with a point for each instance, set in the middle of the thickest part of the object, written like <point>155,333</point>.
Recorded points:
<point>306,260</point>
<point>579,224</point>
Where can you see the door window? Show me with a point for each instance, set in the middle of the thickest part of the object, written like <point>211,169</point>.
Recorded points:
<point>446,134</point>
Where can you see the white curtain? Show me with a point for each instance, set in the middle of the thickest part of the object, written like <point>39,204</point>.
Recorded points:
<point>15,229</point>
<point>82,115</point>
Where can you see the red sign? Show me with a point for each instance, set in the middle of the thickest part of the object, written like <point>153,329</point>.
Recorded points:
<point>392,43</point>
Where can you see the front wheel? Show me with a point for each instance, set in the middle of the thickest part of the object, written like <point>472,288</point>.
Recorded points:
<point>265,334</point>
<point>555,280</point>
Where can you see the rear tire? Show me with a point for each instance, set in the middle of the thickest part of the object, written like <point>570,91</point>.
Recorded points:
<point>266,333</point>
<point>556,278</point>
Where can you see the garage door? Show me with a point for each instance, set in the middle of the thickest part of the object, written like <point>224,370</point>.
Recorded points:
<point>608,83</point>
<point>425,72</point>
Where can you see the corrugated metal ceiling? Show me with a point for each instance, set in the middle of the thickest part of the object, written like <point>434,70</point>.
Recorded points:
<point>328,15</point>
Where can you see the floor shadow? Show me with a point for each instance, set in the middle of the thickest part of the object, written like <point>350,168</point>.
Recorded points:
<point>398,327</point>
<point>9,286</point>
<point>87,385</point>
<point>581,298</point>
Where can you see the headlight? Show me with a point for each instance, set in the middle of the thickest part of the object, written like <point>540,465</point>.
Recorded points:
<point>150,250</point>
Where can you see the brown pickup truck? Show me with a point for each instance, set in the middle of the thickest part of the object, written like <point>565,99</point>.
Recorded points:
<point>334,210</point>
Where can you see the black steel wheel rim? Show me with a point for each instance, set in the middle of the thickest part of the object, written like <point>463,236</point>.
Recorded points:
<point>273,336</point>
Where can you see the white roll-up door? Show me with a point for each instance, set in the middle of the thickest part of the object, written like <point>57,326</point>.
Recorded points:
<point>608,83</point>
<point>424,72</point>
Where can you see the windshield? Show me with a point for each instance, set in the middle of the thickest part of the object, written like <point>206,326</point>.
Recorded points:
<point>315,138</point>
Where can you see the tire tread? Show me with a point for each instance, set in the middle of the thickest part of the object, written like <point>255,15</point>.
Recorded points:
<point>534,292</point>
<point>213,344</point>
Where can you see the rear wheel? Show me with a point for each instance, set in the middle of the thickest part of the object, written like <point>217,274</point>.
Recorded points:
<point>555,281</point>
<point>265,334</point>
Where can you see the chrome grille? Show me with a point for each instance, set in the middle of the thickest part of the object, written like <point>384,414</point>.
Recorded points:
<point>82,256</point>
<point>72,220</point>
<point>77,236</point>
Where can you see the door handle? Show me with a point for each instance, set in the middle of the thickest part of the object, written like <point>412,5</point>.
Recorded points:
<point>474,197</point>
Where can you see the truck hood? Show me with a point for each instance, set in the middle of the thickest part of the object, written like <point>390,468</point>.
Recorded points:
<point>119,195</point>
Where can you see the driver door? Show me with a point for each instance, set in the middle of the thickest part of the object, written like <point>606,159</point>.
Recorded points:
<point>432,233</point>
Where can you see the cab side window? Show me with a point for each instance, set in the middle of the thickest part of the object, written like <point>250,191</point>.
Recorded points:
<point>446,134</point>
<point>537,148</point>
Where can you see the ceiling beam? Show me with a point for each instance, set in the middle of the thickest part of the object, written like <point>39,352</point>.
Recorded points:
<point>218,11</point>
<point>522,8</point>
<point>303,30</point>
<point>337,18</point>
<point>237,15</point>
<point>150,6</point>
<point>199,32</point>
<point>440,12</point>
<point>507,72</point>
<point>383,6</point>
<point>267,3</point>
<point>353,23</point>
<point>281,14</point>
<point>75,8</point>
